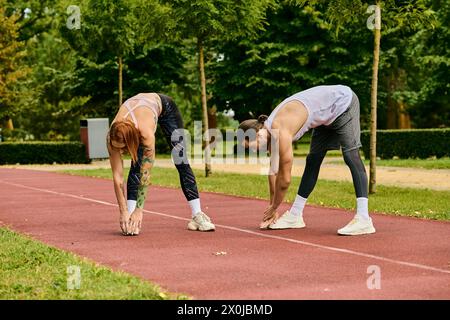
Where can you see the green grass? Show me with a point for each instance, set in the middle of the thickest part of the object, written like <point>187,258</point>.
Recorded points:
<point>442,163</point>
<point>422,203</point>
<point>302,150</point>
<point>32,270</point>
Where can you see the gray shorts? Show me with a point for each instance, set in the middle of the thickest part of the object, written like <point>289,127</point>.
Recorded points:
<point>344,132</point>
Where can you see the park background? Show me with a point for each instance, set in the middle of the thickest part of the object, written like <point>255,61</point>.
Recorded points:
<point>53,73</point>
<point>223,62</point>
<point>63,61</point>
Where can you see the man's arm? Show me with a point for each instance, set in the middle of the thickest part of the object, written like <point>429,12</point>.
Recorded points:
<point>272,180</point>
<point>283,178</point>
<point>274,165</point>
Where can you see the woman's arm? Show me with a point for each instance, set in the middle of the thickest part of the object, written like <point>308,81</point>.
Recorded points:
<point>116,162</point>
<point>148,159</point>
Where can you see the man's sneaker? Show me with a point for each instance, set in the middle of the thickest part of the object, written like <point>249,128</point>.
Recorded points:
<point>357,226</point>
<point>288,221</point>
<point>201,222</point>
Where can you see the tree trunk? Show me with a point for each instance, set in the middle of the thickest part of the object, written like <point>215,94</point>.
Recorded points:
<point>373,101</point>
<point>212,117</point>
<point>404,120</point>
<point>391,112</point>
<point>9,124</point>
<point>397,113</point>
<point>120,81</point>
<point>201,66</point>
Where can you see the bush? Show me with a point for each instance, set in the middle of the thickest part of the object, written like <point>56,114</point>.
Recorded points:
<point>415,143</point>
<point>42,152</point>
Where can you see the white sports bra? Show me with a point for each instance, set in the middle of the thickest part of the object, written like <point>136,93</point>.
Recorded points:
<point>142,101</point>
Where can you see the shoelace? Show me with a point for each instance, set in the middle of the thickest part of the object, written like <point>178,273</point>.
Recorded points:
<point>276,220</point>
<point>203,217</point>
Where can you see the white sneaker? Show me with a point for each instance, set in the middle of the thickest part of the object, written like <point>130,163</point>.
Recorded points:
<point>201,222</point>
<point>357,226</point>
<point>288,221</point>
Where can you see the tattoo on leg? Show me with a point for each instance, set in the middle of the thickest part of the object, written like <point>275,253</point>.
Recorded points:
<point>142,193</point>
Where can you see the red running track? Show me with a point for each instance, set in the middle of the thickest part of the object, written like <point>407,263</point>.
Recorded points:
<point>78,214</point>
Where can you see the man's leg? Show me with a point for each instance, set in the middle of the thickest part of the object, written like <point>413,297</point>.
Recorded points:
<point>321,141</point>
<point>348,129</point>
<point>353,160</point>
<point>308,182</point>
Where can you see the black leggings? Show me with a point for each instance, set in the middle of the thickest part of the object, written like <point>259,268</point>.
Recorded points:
<point>353,161</point>
<point>170,120</point>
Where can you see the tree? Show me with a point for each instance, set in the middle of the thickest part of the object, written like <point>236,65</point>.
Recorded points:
<point>12,52</point>
<point>114,29</point>
<point>207,20</point>
<point>297,50</point>
<point>107,29</point>
<point>34,16</point>
<point>52,109</point>
<point>400,13</point>
<point>427,61</point>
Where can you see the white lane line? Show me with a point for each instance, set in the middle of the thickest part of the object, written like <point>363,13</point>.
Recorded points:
<point>259,234</point>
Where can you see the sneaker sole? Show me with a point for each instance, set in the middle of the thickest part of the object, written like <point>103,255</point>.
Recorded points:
<point>357,233</point>
<point>196,228</point>
<point>295,227</point>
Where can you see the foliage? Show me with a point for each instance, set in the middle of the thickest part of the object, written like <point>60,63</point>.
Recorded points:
<point>297,51</point>
<point>12,70</point>
<point>256,54</point>
<point>417,143</point>
<point>42,152</point>
<point>428,63</point>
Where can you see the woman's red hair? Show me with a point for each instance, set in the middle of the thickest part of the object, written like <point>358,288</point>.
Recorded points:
<point>124,132</point>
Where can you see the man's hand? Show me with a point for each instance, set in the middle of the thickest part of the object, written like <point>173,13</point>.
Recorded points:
<point>124,218</point>
<point>270,215</point>
<point>135,222</point>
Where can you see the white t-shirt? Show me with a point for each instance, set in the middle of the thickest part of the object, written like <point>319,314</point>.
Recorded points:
<point>324,105</point>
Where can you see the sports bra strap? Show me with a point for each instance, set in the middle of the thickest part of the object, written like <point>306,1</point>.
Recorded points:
<point>140,103</point>
<point>131,113</point>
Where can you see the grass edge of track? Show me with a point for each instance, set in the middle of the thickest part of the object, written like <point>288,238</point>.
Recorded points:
<point>33,270</point>
<point>391,200</point>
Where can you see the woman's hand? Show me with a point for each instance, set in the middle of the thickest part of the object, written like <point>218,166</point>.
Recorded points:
<point>135,222</point>
<point>124,219</point>
<point>270,215</point>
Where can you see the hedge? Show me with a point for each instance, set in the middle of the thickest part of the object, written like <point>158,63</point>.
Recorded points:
<point>42,152</point>
<point>414,143</point>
